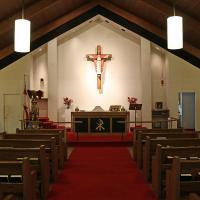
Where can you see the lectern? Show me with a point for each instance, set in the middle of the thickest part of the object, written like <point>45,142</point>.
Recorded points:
<point>135,107</point>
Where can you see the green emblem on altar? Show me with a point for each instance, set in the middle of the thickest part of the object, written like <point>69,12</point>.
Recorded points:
<point>100,125</point>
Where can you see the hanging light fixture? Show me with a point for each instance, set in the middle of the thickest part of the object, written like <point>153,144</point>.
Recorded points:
<point>174,32</point>
<point>22,33</point>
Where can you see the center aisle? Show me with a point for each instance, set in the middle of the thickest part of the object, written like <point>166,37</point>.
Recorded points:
<point>101,173</point>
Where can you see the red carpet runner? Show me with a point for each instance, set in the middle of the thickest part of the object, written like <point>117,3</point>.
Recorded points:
<point>100,139</point>
<point>101,173</point>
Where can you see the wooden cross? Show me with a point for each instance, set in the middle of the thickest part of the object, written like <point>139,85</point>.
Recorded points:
<point>98,60</point>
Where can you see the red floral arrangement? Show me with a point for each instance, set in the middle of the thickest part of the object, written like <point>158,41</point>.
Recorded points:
<point>67,101</point>
<point>132,100</point>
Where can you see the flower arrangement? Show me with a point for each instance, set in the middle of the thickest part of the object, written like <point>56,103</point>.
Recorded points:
<point>67,101</point>
<point>132,100</point>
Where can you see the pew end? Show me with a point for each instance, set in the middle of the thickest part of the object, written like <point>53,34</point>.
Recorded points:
<point>194,196</point>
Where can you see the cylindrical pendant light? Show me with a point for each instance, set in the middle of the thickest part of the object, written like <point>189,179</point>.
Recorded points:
<point>174,32</point>
<point>22,34</point>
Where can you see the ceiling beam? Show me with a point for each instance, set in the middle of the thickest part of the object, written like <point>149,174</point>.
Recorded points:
<point>167,10</point>
<point>51,26</point>
<point>147,25</point>
<point>66,19</point>
<point>131,17</point>
<point>31,11</point>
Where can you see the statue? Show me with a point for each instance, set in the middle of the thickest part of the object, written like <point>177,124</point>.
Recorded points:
<point>34,112</point>
<point>99,60</point>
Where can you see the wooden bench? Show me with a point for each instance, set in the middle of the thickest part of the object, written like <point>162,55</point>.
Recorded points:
<point>141,131</point>
<point>27,188</point>
<point>161,162</point>
<point>8,197</point>
<point>62,132</point>
<point>1,135</point>
<point>194,196</point>
<point>149,149</point>
<point>36,136</point>
<point>142,139</point>
<point>175,187</point>
<point>50,148</point>
<point>156,130</point>
<point>39,162</point>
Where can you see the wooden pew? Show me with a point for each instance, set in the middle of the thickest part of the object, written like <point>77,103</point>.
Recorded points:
<point>62,132</point>
<point>62,152</point>
<point>156,130</point>
<point>142,139</point>
<point>175,187</point>
<point>42,131</point>
<point>7,197</point>
<point>39,162</point>
<point>194,196</point>
<point>36,136</point>
<point>149,149</point>
<point>28,186</point>
<point>141,131</point>
<point>161,162</point>
<point>50,148</point>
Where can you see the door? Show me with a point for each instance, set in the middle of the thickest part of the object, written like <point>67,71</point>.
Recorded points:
<point>12,112</point>
<point>187,110</point>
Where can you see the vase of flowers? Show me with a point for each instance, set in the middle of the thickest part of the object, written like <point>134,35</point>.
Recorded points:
<point>67,102</point>
<point>132,100</point>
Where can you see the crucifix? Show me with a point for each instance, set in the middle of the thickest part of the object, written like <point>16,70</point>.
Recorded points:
<point>98,60</point>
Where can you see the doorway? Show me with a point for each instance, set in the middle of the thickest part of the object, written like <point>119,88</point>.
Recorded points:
<point>12,112</point>
<point>187,110</point>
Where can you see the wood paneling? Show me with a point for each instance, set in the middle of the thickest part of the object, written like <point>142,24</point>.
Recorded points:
<point>48,15</point>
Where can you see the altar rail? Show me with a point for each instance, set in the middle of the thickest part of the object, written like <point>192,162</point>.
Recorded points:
<point>169,121</point>
<point>38,123</point>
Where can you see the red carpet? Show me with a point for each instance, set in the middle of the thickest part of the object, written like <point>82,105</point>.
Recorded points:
<point>100,139</point>
<point>105,173</point>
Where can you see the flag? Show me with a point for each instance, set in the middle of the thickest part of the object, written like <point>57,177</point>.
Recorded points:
<point>26,106</point>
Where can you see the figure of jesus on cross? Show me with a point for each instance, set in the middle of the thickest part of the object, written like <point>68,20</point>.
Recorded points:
<point>98,60</point>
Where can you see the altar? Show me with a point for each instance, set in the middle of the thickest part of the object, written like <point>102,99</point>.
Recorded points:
<point>100,122</point>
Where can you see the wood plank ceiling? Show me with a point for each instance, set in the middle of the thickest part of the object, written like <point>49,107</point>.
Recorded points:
<point>47,15</point>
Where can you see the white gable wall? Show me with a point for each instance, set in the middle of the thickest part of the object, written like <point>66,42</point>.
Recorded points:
<point>77,76</point>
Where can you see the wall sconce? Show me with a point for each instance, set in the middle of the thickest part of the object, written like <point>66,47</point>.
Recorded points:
<point>174,32</point>
<point>41,82</point>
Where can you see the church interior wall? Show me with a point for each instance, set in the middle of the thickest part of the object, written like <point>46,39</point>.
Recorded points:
<point>40,72</point>
<point>159,76</point>
<point>145,83</point>
<point>53,79</point>
<point>77,76</point>
<point>183,77</point>
<point>12,82</point>
<point>122,76</point>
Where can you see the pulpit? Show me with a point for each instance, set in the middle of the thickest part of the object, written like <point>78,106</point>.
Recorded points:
<point>159,115</point>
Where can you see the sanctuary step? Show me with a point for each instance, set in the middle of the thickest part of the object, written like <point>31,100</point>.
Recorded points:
<point>43,119</point>
<point>48,124</point>
<point>99,139</point>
